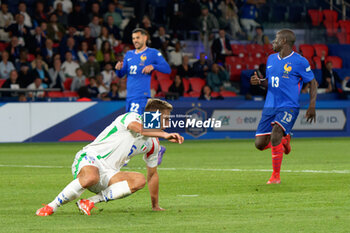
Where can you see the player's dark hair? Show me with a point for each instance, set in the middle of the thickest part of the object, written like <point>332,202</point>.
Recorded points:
<point>157,104</point>
<point>143,31</point>
<point>288,35</point>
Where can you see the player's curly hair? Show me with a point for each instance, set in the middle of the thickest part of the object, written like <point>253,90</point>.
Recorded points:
<point>154,104</point>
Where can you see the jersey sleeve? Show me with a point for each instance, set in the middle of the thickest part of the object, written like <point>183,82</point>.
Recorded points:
<point>131,117</point>
<point>160,63</point>
<point>305,70</point>
<point>151,157</point>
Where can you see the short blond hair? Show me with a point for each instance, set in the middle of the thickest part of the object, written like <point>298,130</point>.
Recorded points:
<point>154,104</point>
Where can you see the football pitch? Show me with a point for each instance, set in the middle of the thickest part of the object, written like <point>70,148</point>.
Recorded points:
<point>205,186</point>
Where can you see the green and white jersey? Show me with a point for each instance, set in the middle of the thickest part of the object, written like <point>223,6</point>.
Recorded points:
<point>115,145</point>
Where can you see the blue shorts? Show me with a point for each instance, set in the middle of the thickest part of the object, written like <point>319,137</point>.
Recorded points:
<point>136,105</point>
<point>285,118</point>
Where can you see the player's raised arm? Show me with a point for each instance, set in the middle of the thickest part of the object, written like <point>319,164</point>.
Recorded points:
<point>160,64</point>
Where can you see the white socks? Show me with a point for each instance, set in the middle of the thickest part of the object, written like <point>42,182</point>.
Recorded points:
<point>113,192</point>
<point>72,191</point>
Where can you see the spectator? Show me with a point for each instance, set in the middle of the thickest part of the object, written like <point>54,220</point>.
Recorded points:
<point>206,23</point>
<point>70,47</point>
<point>69,66</point>
<point>84,94</point>
<point>78,80</point>
<point>108,75</point>
<point>22,9</point>
<point>48,52</point>
<point>92,88</point>
<point>346,85</point>
<point>213,7</point>
<point>37,41</point>
<point>39,15</point>
<point>185,70</point>
<point>217,77</point>
<point>249,14</point>
<point>105,48</point>
<point>62,17</point>
<point>67,5</point>
<point>36,85</point>
<point>41,72</point>
<point>147,25</point>
<point>105,36</point>
<point>57,75</point>
<point>24,67</point>
<point>95,27</point>
<point>330,78</point>
<point>55,30</point>
<point>113,93</point>
<point>22,97</point>
<point>175,13</point>
<point>229,16</point>
<point>23,59</point>
<point>106,60</point>
<point>95,11</point>
<point>12,82</point>
<point>6,66</point>
<point>206,94</point>
<point>112,28</point>
<point>77,18</point>
<point>201,67</point>
<point>14,49</point>
<point>6,19</point>
<point>102,88</point>
<point>33,64</point>
<point>221,47</point>
<point>91,41</point>
<point>83,53</point>
<point>19,29</point>
<point>117,16</point>
<point>175,56</point>
<point>177,87</point>
<point>160,37</point>
<point>91,68</point>
<point>122,88</point>
<point>260,38</point>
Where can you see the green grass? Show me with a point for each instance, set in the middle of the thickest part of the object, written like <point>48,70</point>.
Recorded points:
<point>227,201</point>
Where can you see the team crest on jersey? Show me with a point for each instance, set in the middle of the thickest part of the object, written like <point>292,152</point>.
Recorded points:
<point>143,59</point>
<point>287,68</point>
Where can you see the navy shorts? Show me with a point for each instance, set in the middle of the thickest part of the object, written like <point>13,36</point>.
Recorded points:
<point>136,105</point>
<point>285,118</point>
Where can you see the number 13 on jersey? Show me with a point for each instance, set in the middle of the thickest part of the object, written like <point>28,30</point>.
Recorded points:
<point>275,81</point>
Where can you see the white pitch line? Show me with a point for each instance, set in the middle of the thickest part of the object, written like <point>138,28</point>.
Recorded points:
<point>194,195</point>
<point>197,169</point>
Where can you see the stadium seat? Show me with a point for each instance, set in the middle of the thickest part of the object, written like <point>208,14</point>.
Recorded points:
<point>3,46</point>
<point>268,49</point>
<point>30,57</point>
<point>197,84</point>
<point>307,50</point>
<point>228,94</point>
<point>154,84</point>
<point>331,27</point>
<point>165,84</point>
<point>2,82</point>
<point>70,94</point>
<point>194,94</point>
<point>215,94</point>
<point>316,17</point>
<point>160,76</point>
<point>239,50</point>
<point>173,73</point>
<point>319,48</point>
<point>67,83</point>
<point>344,25</point>
<point>186,84</point>
<point>341,36</point>
<point>235,67</point>
<point>337,61</point>
<point>87,81</point>
<point>330,15</point>
<point>55,94</point>
<point>317,62</point>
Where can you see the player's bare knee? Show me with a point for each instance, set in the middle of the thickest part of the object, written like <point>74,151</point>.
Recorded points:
<point>259,145</point>
<point>138,183</point>
<point>89,180</point>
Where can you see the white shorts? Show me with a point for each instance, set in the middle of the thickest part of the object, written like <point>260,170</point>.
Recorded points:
<point>83,159</point>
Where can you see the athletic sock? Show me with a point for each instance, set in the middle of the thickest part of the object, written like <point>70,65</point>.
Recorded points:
<point>97,198</point>
<point>116,191</point>
<point>72,191</point>
<point>268,146</point>
<point>277,156</point>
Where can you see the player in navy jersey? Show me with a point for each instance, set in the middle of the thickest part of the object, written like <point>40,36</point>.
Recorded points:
<point>138,65</point>
<point>286,71</point>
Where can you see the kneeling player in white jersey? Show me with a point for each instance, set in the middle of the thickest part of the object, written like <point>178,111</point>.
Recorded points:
<point>97,166</point>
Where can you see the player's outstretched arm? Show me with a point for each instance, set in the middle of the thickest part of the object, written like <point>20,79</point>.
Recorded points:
<point>153,187</point>
<point>255,80</point>
<point>311,112</point>
<point>172,137</point>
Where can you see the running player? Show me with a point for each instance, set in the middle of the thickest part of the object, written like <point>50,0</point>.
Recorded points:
<point>97,166</point>
<point>138,65</point>
<point>286,71</point>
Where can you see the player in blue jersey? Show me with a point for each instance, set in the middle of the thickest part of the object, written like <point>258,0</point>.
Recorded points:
<point>286,71</point>
<point>138,65</point>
